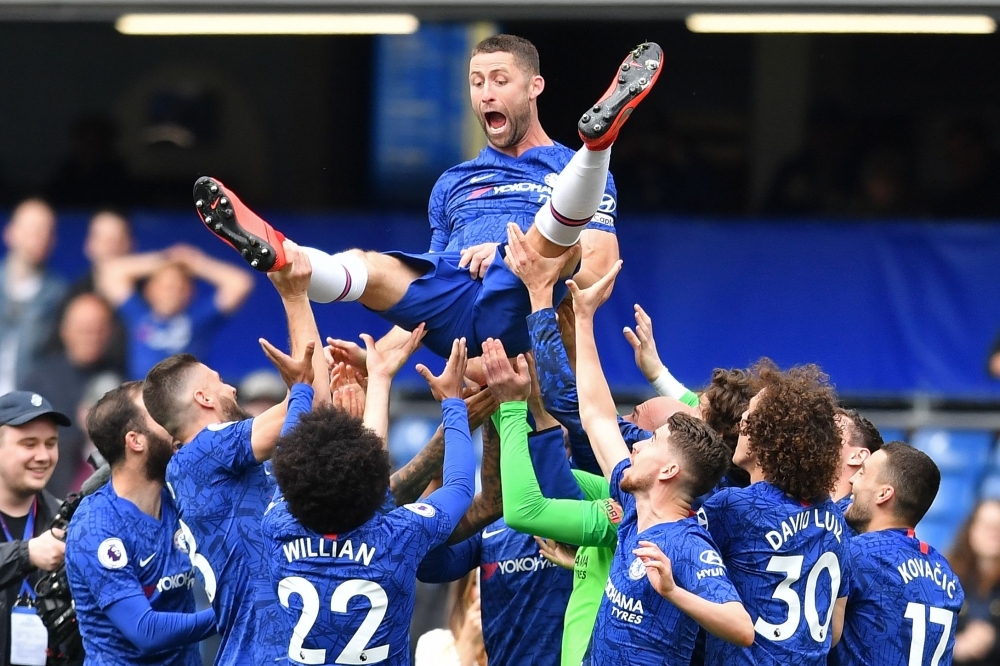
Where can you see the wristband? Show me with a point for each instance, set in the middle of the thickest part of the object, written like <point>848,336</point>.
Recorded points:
<point>665,384</point>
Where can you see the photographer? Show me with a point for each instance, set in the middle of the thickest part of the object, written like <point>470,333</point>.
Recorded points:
<point>29,450</point>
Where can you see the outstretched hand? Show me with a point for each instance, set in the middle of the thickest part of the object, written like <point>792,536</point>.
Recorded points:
<point>385,364</point>
<point>292,281</point>
<point>556,553</point>
<point>586,301</point>
<point>507,384</point>
<point>539,274</point>
<point>451,381</point>
<point>646,357</point>
<point>292,370</point>
<point>349,353</point>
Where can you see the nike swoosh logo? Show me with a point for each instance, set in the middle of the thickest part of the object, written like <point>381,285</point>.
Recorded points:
<point>146,561</point>
<point>479,179</point>
<point>487,535</point>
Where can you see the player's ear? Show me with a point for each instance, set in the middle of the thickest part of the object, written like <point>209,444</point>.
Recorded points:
<point>858,456</point>
<point>884,494</point>
<point>536,86</point>
<point>133,442</point>
<point>203,399</point>
<point>670,471</point>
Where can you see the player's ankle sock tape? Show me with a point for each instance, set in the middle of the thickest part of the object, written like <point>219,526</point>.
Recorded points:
<point>337,277</point>
<point>575,197</point>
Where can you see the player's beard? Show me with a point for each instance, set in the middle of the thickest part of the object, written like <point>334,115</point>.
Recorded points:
<point>858,517</point>
<point>632,482</point>
<point>231,411</point>
<point>160,449</point>
<point>518,122</point>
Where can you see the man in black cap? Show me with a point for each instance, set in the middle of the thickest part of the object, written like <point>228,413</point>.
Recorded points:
<point>29,451</point>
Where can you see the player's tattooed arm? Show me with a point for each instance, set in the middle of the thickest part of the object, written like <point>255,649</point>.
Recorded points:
<point>597,406</point>
<point>412,479</point>
<point>487,506</point>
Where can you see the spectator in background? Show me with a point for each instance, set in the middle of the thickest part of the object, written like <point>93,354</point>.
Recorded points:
<point>260,390</point>
<point>820,178</point>
<point>29,292</point>
<point>79,354</point>
<point>461,644</point>
<point>109,236</point>
<point>975,559</point>
<point>165,318</point>
<point>974,173</point>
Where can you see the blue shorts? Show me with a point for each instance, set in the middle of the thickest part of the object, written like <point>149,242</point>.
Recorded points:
<point>454,304</point>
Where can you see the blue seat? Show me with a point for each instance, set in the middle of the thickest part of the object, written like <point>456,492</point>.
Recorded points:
<point>955,498</point>
<point>963,452</point>
<point>990,488</point>
<point>939,533</point>
<point>892,434</point>
<point>408,435</point>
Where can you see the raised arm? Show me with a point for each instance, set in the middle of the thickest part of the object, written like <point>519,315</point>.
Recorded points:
<point>232,283</point>
<point>647,359</point>
<point>525,509</point>
<point>116,278</point>
<point>597,407</point>
<point>455,494</point>
<point>306,364</point>
<point>382,367</point>
<point>409,482</point>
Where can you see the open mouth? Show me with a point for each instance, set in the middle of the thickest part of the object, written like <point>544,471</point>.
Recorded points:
<point>495,121</point>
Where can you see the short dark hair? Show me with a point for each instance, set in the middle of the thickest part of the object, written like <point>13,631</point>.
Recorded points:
<point>792,431</point>
<point>113,417</point>
<point>914,478</point>
<point>524,52</point>
<point>332,470</point>
<point>726,398</point>
<point>161,391</point>
<point>702,448</point>
<point>868,435</point>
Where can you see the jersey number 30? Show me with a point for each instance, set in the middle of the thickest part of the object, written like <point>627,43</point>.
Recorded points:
<point>354,652</point>
<point>791,566</point>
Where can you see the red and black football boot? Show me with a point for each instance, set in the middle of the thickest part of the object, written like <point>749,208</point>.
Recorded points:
<point>229,218</point>
<point>599,125</point>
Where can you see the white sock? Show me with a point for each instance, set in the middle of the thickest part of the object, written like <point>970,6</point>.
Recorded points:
<point>336,277</point>
<point>575,197</point>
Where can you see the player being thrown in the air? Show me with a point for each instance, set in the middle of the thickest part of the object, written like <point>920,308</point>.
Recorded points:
<point>407,289</point>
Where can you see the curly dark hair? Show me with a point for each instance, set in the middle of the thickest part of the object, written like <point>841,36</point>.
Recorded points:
<point>727,397</point>
<point>863,433</point>
<point>792,431</point>
<point>332,470</point>
<point>702,448</point>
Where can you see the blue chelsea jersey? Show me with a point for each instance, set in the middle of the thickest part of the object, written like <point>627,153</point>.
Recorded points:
<point>790,563</point>
<point>473,202</point>
<point>635,625</point>
<point>348,598</point>
<point>222,491</point>
<point>115,551</point>
<point>903,603</point>
<point>523,595</point>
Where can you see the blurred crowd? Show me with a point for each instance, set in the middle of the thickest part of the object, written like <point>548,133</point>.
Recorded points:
<point>72,342</point>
